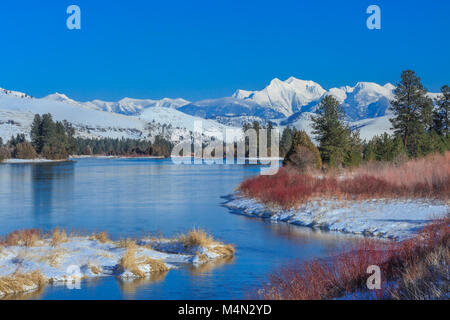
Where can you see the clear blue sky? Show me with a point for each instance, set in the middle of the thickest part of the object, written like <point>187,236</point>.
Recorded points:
<point>204,49</point>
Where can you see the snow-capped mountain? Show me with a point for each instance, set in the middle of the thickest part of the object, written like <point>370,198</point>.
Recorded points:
<point>17,111</point>
<point>229,108</point>
<point>126,106</point>
<point>283,100</point>
<point>290,102</point>
<point>285,97</point>
<point>293,96</point>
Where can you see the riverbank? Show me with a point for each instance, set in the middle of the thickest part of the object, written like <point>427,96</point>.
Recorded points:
<point>383,200</point>
<point>114,157</point>
<point>38,160</point>
<point>414,269</point>
<point>29,259</point>
<point>382,218</point>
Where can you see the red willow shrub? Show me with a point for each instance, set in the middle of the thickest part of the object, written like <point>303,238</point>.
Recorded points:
<point>420,178</point>
<point>343,274</point>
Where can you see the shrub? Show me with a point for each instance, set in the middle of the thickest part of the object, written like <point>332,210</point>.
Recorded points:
<point>55,151</point>
<point>419,266</point>
<point>24,150</point>
<point>303,153</point>
<point>419,178</point>
<point>302,159</point>
<point>4,153</point>
<point>26,237</point>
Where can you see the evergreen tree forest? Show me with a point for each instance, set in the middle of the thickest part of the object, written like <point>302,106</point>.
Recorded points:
<point>57,141</point>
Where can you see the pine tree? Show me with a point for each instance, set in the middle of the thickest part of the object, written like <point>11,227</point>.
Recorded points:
<point>441,114</point>
<point>412,112</point>
<point>354,155</point>
<point>286,141</point>
<point>331,132</point>
<point>303,154</point>
<point>36,134</point>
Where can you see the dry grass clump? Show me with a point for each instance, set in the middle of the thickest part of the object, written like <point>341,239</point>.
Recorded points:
<point>426,280</point>
<point>102,237</point>
<point>127,243</point>
<point>58,237</point>
<point>156,265</point>
<point>128,262</point>
<point>427,177</point>
<point>95,269</point>
<point>131,263</point>
<point>418,266</point>
<point>202,257</point>
<point>54,257</point>
<point>26,237</point>
<point>197,237</point>
<point>18,282</point>
<point>224,250</point>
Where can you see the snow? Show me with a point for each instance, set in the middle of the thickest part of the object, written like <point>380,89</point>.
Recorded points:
<point>289,102</point>
<point>19,161</point>
<point>17,113</point>
<point>383,218</point>
<point>86,257</point>
<point>230,108</point>
<point>20,112</point>
<point>285,97</point>
<point>178,119</point>
<point>372,127</point>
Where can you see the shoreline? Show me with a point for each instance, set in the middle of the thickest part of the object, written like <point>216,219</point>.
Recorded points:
<point>28,161</point>
<point>115,157</point>
<point>396,219</point>
<point>29,260</point>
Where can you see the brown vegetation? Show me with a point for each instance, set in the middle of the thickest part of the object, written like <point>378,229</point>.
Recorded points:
<point>16,283</point>
<point>196,237</point>
<point>413,269</point>
<point>26,237</point>
<point>427,177</point>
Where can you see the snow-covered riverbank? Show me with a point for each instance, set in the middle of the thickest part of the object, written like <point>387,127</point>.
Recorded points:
<point>37,160</point>
<point>24,267</point>
<point>393,219</point>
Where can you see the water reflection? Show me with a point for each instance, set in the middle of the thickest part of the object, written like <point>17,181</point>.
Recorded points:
<point>53,186</point>
<point>208,267</point>
<point>131,286</point>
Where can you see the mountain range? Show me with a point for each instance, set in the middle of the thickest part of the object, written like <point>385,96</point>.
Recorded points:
<point>289,102</point>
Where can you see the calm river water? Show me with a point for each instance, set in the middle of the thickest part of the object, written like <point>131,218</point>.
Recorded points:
<point>127,197</point>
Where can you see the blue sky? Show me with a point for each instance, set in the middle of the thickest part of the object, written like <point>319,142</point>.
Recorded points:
<point>204,49</point>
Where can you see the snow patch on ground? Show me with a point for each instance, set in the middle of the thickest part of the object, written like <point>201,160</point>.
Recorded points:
<point>86,257</point>
<point>38,160</point>
<point>383,218</point>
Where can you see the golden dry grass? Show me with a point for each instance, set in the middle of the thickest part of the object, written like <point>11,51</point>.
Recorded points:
<point>102,237</point>
<point>156,265</point>
<point>95,269</point>
<point>202,257</point>
<point>18,282</point>
<point>128,262</point>
<point>58,237</point>
<point>224,250</point>
<point>127,243</point>
<point>131,263</point>
<point>196,237</point>
<point>53,257</point>
<point>426,279</point>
